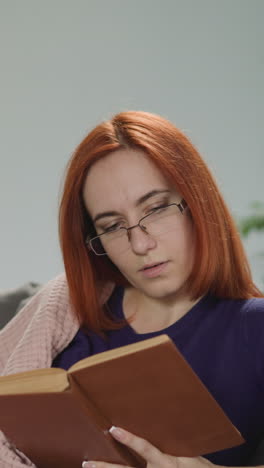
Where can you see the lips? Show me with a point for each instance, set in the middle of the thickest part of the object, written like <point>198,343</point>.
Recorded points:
<point>154,270</point>
<point>150,265</point>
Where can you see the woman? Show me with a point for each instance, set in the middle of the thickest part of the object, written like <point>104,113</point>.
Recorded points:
<point>146,238</point>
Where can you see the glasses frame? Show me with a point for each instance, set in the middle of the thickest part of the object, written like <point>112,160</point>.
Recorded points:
<point>181,207</point>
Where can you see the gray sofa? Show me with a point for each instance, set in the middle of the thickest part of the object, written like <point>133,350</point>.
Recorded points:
<point>12,300</point>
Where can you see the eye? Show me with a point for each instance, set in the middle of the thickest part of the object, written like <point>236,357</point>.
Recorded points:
<point>158,208</point>
<point>112,228</point>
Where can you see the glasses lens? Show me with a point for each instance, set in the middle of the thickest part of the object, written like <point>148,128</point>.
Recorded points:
<point>97,246</point>
<point>159,222</point>
<point>162,221</point>
<point>110,242</point>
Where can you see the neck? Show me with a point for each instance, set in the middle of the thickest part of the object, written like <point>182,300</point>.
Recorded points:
<point>154,314</point>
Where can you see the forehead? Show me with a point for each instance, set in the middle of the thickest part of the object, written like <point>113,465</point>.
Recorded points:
<point>121,177</point>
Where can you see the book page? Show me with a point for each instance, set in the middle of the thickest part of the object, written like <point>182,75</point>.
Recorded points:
<point>35,381</point>
<point>115,353</point>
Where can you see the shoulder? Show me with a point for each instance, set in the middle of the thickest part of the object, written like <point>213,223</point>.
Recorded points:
<point>242,320</point>
<point>51,303</point>
<point>55,293</point>
<point>57,285</point>
<point>252,320</point>
<point>242,309</point>
<point>40,330</point>
<point>244,328</point>
<point>255,305</point>
<point>246,314</point>
<point>252,315</point>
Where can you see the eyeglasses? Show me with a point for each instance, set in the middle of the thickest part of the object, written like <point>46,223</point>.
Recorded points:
<point>117,238</point>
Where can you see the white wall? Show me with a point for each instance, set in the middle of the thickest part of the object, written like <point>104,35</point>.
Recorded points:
<point>68,64</point>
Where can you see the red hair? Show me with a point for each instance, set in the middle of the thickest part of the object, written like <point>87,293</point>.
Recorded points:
<point>220,265</point>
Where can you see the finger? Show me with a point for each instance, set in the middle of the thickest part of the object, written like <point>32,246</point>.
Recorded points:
<point>144,448</point>
<point>96,464</point>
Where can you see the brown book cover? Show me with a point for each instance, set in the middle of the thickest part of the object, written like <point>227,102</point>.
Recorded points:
<point>60,418</point>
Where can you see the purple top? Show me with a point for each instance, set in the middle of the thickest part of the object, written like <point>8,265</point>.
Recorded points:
<point>222,339</point>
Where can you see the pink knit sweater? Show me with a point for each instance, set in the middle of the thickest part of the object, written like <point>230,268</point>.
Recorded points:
<point>40,331</point>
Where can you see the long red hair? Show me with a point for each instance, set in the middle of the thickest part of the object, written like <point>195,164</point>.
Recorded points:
<point>220,265</point>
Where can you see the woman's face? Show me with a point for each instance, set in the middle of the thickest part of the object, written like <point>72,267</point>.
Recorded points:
<point>123,187</point>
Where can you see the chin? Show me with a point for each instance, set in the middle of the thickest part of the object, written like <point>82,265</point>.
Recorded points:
<point>162,291</point>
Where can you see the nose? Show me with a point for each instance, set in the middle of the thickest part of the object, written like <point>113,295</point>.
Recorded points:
<point>140,240</point>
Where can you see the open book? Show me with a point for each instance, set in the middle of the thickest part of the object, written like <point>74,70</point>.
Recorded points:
<point>59,418</point>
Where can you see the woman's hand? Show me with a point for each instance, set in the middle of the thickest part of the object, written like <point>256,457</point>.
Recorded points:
<point>154,458</point>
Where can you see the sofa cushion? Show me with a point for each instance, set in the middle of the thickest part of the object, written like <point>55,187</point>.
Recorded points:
<point>12,300</point>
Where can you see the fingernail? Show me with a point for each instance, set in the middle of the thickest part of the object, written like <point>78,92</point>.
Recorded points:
<point>117,432</point>
<point>86,464</point>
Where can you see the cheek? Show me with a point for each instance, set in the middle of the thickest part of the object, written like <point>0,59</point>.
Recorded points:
<point>181,238</point>
<point>189,248</point>
<point>181,245</point>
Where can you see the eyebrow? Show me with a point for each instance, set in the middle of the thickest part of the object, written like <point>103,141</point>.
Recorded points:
<point>139,202</point>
